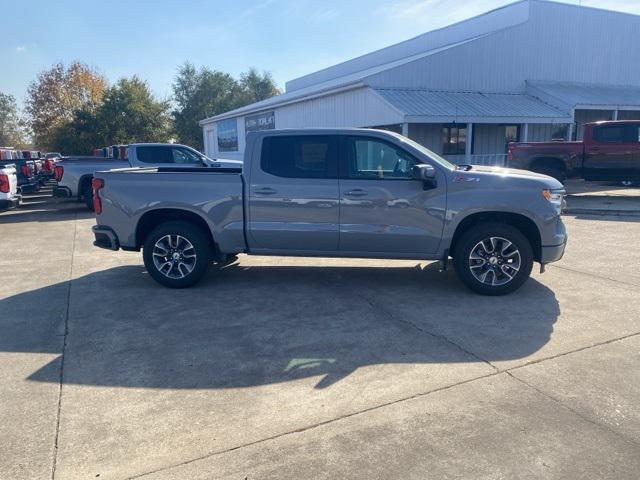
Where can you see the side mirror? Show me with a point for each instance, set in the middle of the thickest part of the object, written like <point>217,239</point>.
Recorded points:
<point>423,172</point>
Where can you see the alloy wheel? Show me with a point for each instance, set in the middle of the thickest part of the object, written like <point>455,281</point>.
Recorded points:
<point>495,261</point>
<point>174,256</point>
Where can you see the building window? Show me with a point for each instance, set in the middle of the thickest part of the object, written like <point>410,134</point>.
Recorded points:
<point>560,132</point>
<point>454,139</point>
<point>511,134</point>
<point>228,135</point>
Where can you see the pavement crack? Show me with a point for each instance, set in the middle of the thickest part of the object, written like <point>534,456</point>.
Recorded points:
<point>573,410</point>
<point>65,335</point>
<point>398,401</point>
<point>571,352</point>
<point>409,323</point>
<point>594,275</point>
<point>315,425</point>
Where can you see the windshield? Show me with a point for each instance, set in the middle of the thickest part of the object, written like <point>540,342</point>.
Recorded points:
<point>432,155</point>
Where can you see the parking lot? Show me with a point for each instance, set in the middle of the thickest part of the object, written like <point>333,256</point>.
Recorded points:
<point>314,368</point>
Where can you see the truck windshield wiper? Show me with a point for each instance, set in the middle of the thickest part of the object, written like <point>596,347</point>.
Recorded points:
<point>466,168</point>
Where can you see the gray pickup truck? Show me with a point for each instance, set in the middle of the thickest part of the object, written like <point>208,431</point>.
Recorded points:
<point>335,193</point>
<point>74,174</point>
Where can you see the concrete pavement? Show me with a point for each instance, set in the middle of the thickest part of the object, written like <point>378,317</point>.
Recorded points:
<point>601,198</point>
<point>314,368</point>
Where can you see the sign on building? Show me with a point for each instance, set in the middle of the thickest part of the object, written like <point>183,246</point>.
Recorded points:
<point>228,135</point>
<point>261,121</point>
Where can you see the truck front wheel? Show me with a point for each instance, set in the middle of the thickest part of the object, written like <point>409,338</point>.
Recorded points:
<point>493,259</point>
<point>177,254</point>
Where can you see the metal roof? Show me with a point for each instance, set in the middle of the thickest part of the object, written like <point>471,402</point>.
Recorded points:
<point>354,80</point>
<point>575,94</point>
<point>437,105</point>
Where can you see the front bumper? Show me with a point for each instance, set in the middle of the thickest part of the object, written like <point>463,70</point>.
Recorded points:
<point>105,238</point>
<point>13,202</point>
<point>553,253</point>
<point>62,192</point>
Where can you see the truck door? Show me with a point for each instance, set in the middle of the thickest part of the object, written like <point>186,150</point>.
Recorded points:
<point>382,209</point>
<point>293,195</point>
<point>611,152</point>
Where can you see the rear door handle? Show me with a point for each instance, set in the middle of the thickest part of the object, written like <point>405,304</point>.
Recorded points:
<point>264,191</point>
<point>356,193</point>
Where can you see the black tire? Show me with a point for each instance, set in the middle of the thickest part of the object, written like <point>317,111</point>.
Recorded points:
<point>201,247</point>
<point>551,171</point>
<point>87,196</point>
<point>471,239</point>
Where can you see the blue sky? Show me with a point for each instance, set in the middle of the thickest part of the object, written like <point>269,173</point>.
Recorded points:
<point>150,38</point>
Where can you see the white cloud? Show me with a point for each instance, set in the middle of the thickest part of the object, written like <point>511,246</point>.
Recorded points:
<point>20,48</point>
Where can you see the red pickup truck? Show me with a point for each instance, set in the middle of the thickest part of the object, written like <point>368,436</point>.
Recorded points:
<point>610,151</point>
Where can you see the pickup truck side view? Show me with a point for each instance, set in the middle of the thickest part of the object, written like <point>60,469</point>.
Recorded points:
<point>610,151</point>
<point>334,193</point>
<point>74,174</point>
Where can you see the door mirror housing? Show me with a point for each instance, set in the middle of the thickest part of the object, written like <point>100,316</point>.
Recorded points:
<point>423,172</point>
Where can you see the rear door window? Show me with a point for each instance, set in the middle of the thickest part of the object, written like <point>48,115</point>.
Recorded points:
<point>154,154</point>
<point>616,134</point>
<point>300,156</point>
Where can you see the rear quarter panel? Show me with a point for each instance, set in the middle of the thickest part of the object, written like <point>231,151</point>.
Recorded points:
<point>216,197</point>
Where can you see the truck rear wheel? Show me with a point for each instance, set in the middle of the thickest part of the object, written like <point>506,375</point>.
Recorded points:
<point>551,171</point>
<point>493,259</point>
<point>177,254</point>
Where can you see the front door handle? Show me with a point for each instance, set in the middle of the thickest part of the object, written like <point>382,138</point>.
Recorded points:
<point>358,192</point>
<point>264,191</point>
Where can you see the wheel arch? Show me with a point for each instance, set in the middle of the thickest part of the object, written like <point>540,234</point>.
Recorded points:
<point>151,219</point>
<point>523,223</point>
<point>559,163</point>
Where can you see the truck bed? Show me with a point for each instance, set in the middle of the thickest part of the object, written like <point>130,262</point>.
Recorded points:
<point>214,195</point>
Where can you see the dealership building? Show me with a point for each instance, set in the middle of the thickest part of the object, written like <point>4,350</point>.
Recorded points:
<point>534,70</point>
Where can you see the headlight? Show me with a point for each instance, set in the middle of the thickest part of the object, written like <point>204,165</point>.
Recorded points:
<point>556,198</point>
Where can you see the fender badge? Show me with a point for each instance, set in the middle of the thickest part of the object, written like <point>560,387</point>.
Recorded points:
<point>461,179</point>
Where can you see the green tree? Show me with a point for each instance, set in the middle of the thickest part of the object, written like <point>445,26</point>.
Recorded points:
<point>198,95</point>
<point>55,96</point>
<point>78,136</point>
<point>129,113</point>
<point>11,127</point>
<point>203,93</point>
<point>257,86</point>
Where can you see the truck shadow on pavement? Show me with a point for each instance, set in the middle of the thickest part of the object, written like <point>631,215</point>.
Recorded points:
<point>247,326</point>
